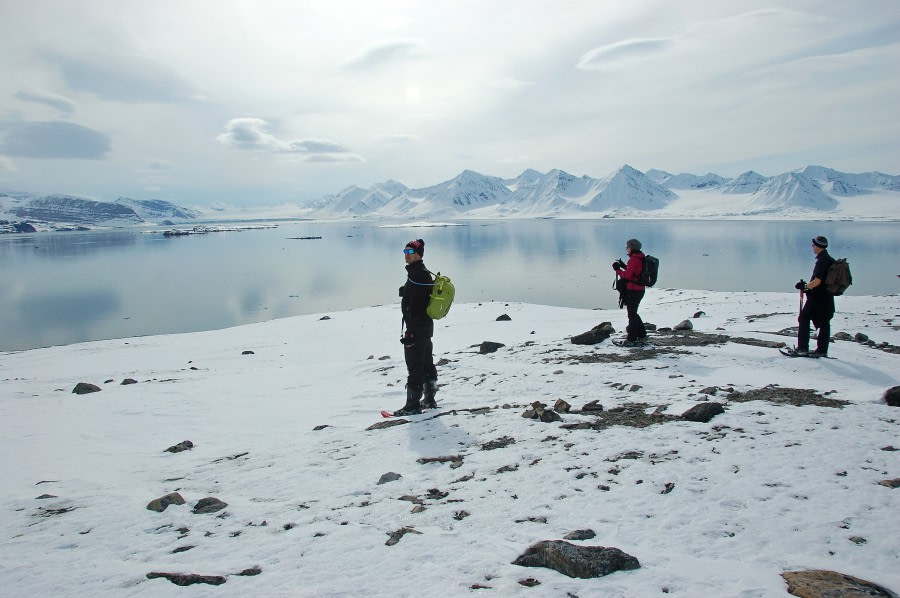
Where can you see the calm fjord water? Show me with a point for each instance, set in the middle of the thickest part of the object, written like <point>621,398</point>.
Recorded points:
<point>61,288</point>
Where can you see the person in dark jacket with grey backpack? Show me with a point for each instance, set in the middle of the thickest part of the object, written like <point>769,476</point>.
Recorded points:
<point>634,292</point>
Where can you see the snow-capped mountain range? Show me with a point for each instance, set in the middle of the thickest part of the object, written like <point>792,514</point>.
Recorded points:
<point>811,191</point>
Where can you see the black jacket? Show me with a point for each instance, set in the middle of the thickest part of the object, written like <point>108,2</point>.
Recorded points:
<point>416,293</point>
<point>821,301</point>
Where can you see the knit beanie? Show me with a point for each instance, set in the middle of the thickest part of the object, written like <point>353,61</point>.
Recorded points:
<point>418,245</point>
<point>820,241</point>
<point>634,244</point>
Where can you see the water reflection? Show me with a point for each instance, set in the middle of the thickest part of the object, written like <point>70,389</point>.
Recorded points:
<point>84,286</point>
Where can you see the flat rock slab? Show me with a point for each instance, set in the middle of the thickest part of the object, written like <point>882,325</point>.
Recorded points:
<point>577,561</point>
<point>818,583</point>
<point>187,579</point>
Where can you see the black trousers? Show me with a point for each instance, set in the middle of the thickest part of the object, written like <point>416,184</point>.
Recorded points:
<point>821,319</point>
<point>635,328</point>
<point>419,363</point>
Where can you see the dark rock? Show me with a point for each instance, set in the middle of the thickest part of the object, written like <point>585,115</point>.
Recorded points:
<point>184,445</point>
<point>389,477</point>
<point>322,427</point>
<point>858,540</point>
<point>892,396</point>
<point>160,504</point>
<point>669,487</point>
<point>128,381</point>
<point>577,561</point>
<point>860,337</point>
<point>254,570</point>
<point>504,318</point>
<point>561,406</point>
<point>395,537</point>
<point>502,442</point>
<point>710,390</point>
<point>841,336</point>
<point>183,549</point>
<point>529,582</point>
<point>549,416</point>
<point>247,353</point>
<point>684,325</point>
<point>581,534</point>
<point>595,335</point>
<point>388,423</point>
<point>895,483</point>
<point>325,318</point>
<point>187,579</point>
<point>45,496</point>
<point>703,412</point>
<point>460,515</point>
<point>593,406</point>
<point>699,313</point>
<point>489,347</point>
<point>822,584</point>
<point>210,504</point>
<point>83,388</point>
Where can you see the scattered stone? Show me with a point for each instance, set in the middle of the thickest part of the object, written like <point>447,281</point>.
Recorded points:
<point>593,406</point>
<point>324,318</point>
<point>45,496</point>
<point>892,396</point>
<point>798,397</point>
<point>860,337</point>
<point>210,504</point>
<point>322,427</point>
<point>895,483</point>
<point>395,537</point>
<point>819,583</point>
<point>504,318</point>
<point>187,579</point>
<point>489,347</point>
<point>248,353</point>
<point>184,445</point>
<point>581,534</point>
<point>669,487</point>
<point>710,390</point>
<point>577,561</point>
<point>595,335</point>
<point>634,388</point>
<point>529,582</point>
<point>683,325</point>
<point>412,498</point>
<point>561,406</point>
<point>83,388</point>
<point>160,504</point>
<point>389,477</point>
<point>460,515</point>
<point>183,549</point>
<point>703,412</point>
<point>858,540</point>
<point>435,494</point>
<point>254,570</point>
<point>388,423</point>
<point>508,468</point>
<point>699,314</point>
<point>841,336</point>
<point>889,448</point>
<point>502,442</point>
<point>128,381</point>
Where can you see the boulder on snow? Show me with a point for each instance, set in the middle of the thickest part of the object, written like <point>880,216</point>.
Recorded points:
<point>489,347</point>
<point>684,325</point>
<point>504,318</point>
<point>210,504</point>
<point>389,477</point>
<point>161,504</point>
<point>892,396</point>
<point>577,561</point>
<point>184,445</point>
<point>83,388</point>
<point>187,579</point>
<point>595,335</point>
<point>703,412</point>
<point>815,583</point>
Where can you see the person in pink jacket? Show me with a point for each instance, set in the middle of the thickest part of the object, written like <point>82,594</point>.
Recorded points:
<point>634,292</point>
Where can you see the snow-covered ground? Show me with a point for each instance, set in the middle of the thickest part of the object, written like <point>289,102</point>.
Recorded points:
<point>763,488</point>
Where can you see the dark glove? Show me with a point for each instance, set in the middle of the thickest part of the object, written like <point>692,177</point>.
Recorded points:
<point>800,286</point>
<point>402,291</point>
<point>407,340</point>
<point>618,265</point>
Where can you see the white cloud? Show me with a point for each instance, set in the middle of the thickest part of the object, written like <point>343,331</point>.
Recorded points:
<point>64,105</point>
<point>385,51</point>
<point>623,54</point>
<point>6,165</point>
<point>251,134</point>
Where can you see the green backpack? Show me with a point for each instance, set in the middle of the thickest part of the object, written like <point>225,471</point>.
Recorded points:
<point>442,294</point>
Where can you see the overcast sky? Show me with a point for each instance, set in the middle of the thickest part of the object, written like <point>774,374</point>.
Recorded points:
<point>273,101</point>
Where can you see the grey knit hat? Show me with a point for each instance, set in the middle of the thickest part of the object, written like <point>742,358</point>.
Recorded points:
<point>634,244</point>
<point>820,241</point>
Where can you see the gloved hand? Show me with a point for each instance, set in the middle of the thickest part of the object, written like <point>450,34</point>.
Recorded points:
<point>407,340</point>
<point>800,286</point>
<point>618,265</point>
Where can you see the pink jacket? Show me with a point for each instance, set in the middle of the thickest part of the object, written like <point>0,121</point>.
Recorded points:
<point>633,271</point>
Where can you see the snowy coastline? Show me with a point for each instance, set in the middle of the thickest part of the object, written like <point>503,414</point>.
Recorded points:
<point>763,488</point>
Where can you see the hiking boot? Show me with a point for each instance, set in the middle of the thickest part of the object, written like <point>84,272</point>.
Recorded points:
<point>412,406</point>
<point>428,401</point>
<point>800,352</point>
<point>818,354</point>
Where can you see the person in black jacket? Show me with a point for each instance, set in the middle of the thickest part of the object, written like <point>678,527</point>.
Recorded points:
<point>819,307</point>
<point>418,349</point>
